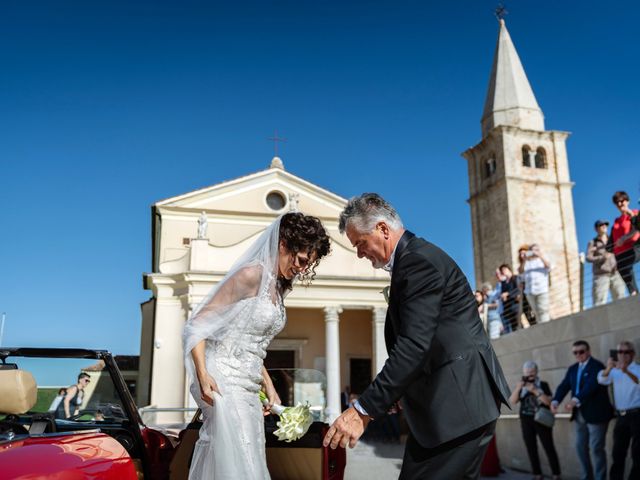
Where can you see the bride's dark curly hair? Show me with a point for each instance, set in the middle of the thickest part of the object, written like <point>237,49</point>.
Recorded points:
<point>303,233</point>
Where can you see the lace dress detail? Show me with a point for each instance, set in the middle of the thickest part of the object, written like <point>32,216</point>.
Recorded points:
<point>236,364</point>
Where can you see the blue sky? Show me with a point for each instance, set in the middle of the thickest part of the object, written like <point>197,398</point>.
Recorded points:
<point>107,107</point>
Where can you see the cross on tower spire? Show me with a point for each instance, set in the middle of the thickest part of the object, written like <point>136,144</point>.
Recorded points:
<point>500,12</point>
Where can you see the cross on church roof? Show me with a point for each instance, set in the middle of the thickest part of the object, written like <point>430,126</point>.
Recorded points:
<point>500,11</point>
<point>275,140</point>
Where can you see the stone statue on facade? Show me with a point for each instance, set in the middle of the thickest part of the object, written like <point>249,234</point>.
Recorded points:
<point>294,202</point>
<point>202,226</point>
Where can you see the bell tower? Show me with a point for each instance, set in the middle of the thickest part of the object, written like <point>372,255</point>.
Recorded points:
<point>519,184</point>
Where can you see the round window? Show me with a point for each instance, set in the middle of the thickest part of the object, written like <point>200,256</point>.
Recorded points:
<point>276,200</point>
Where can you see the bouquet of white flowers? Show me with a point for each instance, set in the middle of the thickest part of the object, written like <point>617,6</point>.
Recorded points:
<point>294,421</point>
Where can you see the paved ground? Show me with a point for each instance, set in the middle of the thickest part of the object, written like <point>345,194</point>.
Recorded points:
<point>380,461</point>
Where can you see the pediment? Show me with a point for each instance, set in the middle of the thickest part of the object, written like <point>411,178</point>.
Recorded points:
<point>237,211</point>
<point>248,196</point>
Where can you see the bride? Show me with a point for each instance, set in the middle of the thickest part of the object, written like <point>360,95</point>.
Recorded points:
<point>225,341</point>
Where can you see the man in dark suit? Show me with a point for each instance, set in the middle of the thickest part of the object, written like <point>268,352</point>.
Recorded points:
<point>441,365</point>
<point>590,410</point>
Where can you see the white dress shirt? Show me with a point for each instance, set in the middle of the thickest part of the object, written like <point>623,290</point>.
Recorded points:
<point>626,393</point>
<point>387,268</point>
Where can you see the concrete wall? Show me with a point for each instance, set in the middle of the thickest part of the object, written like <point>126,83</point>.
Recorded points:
<point>549,345</point>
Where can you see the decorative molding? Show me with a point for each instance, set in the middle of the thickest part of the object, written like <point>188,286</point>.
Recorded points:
<point>332,314</point>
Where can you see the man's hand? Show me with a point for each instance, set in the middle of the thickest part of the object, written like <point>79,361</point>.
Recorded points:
<point>570,405</point>
<point>347,429</point>
<point>554,407</point>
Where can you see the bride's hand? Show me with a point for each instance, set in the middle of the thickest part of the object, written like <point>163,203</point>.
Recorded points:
<point>273,398</point>
<point>207,386</point>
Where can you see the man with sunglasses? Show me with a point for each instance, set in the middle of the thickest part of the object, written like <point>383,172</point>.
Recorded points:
<point>624,374</point>
<point>590,410</point>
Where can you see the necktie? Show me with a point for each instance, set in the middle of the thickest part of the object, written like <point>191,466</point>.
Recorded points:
<point>580,369</point>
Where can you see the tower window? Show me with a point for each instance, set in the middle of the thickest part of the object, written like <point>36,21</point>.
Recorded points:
<point>489,167</point>
<point>541,158</point>
<point>526,156</point>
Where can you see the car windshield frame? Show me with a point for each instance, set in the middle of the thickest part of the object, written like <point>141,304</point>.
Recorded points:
<point>128,405</point>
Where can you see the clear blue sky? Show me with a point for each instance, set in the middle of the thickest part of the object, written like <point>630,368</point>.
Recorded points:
<point>107,107</point>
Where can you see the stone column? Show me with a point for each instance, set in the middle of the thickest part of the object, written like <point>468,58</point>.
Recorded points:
<point>167,377</point>
<point>377,330</point>
<point>332,361</point>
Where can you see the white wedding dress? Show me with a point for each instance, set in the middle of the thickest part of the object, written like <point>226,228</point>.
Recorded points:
<point>237,321</point>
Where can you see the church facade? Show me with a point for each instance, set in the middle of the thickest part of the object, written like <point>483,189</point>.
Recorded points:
<point>520,193</point>
<point>519,184</point>
<point>335,325</point>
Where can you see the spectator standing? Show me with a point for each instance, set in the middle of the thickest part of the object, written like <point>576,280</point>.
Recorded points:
<point>624,374</point>
<point>510,298</point>
<point>492,304</point>
<point>623,241</point>
<point>534,268</point>
<point>590,410</point>
<point>533,394</point>
<point>58,398</point>
<point>70,404</point>
<point>604,266</point>
<point>482,309</point>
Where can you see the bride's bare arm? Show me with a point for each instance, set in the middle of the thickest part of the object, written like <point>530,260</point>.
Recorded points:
<point>207,383</point>
<point>243,284</point>
<point>270,391</point>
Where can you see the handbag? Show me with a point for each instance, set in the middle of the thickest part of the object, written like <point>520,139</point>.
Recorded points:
<point>544,416</point>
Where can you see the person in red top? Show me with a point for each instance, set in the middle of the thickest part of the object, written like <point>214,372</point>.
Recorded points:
<point>623,239</point>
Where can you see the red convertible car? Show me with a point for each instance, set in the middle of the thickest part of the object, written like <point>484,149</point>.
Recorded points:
<point>93,429</point>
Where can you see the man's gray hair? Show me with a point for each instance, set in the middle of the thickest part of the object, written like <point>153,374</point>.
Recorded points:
<point>366,210</point>
<point>530,365</point>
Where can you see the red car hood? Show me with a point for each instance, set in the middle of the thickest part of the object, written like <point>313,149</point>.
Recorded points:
<point>65,457</point>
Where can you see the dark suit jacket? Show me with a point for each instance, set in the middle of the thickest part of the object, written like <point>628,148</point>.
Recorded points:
<point>594,398</point>
<point>441,363</point>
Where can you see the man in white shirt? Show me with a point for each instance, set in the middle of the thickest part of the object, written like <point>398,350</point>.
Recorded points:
<point>624,374</point>
<point>534,268</point>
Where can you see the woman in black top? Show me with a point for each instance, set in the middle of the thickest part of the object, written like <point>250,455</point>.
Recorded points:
<point>510,296</point>
<point>532,393</point>
<point>70,404</point>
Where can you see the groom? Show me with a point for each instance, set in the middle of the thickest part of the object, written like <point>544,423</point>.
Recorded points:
<point>441,364</point>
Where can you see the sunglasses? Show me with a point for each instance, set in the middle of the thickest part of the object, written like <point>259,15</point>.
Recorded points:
<point>625,352</point>
<point>579,352</point>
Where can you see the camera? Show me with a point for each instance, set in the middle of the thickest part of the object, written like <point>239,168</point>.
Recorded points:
<point>528,379</point>
<point>529,254</point>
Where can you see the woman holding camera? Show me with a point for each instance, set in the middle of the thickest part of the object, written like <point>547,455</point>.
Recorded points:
<point>533,395</point>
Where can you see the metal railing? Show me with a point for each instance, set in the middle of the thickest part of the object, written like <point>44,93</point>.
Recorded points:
<point>586,284</point>
<point>521,315</point>
<point>149,413</point>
